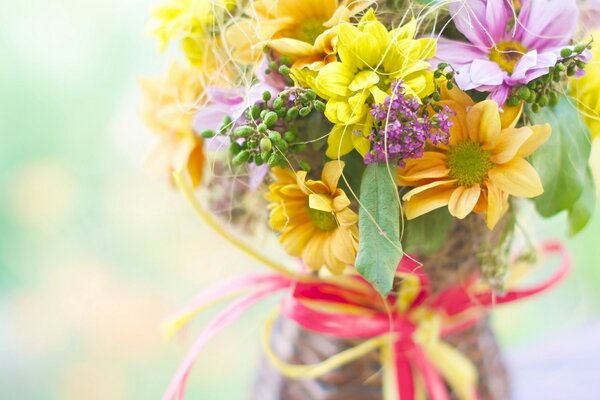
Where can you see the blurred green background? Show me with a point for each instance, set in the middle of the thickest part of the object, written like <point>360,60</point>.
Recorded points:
<point>95,252</point>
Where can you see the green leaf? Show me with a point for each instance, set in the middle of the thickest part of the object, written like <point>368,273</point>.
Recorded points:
<point>581,212</point>
<point>380,250</point>
<point>426,234</point>
<point>562,161</point>
<point>355,163</point>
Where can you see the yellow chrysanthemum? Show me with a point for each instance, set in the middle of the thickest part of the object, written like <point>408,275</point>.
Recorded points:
<point>483,164</point>
<point>371,59</point>
<point>193,23</point>
<point>169,105</point>
<point>585,90</point>
<point>314,218</point>
<point>304,30</point>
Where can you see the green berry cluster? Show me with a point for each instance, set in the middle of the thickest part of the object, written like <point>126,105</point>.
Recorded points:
<point>282,66</point>
<point>268,133</point>
<point>545,90</point>
<point>444,70</point>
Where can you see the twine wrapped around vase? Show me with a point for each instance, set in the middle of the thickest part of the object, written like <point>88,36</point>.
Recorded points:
<point>362,379</point>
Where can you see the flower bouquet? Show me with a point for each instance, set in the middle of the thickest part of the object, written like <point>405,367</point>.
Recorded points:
<point>387,145</point>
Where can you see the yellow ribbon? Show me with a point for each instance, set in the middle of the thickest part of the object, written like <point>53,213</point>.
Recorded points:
<point>456,369</point>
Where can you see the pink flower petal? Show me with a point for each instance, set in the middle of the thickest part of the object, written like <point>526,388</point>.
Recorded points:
<point>482,22</point>
<point>458,53</point>
<point>481,75</point>
<point>546,23</point>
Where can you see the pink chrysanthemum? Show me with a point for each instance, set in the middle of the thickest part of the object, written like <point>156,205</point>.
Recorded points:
<point>510,43</point>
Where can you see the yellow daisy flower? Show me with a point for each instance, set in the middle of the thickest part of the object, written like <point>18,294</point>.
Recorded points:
<point>192,22</point>
<point>314,218</point>
<point>168,109</point>
<point>483,164</point>
<point>304,30</point>
<point>371,59</point>
<point>585,91</point>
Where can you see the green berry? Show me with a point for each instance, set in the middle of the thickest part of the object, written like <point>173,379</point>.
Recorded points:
<point>292,113</point>
<point>241,158</point>
<point>285,60</point>
<point>262,128</point>
<point>513,101</point>
<point>535,107</point>
<point>235,148</point>
<point>281,113</point>
<point>450,85</point>
<point>281,145</point>
<point>543,101</point>
<point>265,156</point>
<point>442,66</point>
<point>524,92</point>
<point>553,98</point>
<point>252,143</point>
<point>304,111</point>
<point>437,74</point>
<point>284,70</point>
<point>274,136</point>
<point>243,131</point>
<point>579,48</point>
<point>270,119</point>
<point>310,95</point>
<point>320,106</point>
<point>275,160</point>
<point>566,52</point>
<point>289,136</point>
<point>266,95</point>
<point>278,103</point>
<point>560,67</point>
<point>207,134</point>
<point>266,145</point>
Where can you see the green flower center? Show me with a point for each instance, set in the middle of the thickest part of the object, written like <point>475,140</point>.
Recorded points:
<point>309,30</point>
<point>507,55</point>
<point>323,220</point>
<point>469,163</point>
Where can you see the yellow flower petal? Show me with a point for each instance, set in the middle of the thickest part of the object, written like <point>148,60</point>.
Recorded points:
<point>510,142</point>
<point>540,134</point>
<point>363,80</point>
<point>517,178</point>
<point>431,166</point>
<point>291,47</point>
<point>483,123</point>
<point>320,202</point>
<point>334,79</point>
<point>423,188</point>
<point>339,141</point>
<point>463,200</point>
<point>495,205</point>
<point>313,252</point>
<point>295,238</point>
<point>425,202</point>
<point>510,116</point>
<point>361,144</point>
<point>340,201</point>
<point>347,217</point>
<point>332,171</point>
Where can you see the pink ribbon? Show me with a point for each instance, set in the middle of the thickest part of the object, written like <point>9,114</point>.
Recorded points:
<point>378,316</point>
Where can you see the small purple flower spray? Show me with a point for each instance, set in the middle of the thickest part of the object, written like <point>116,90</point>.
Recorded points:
<point>403,127</point>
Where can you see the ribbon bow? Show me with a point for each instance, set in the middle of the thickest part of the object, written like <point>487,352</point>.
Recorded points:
<point>407,326</point>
